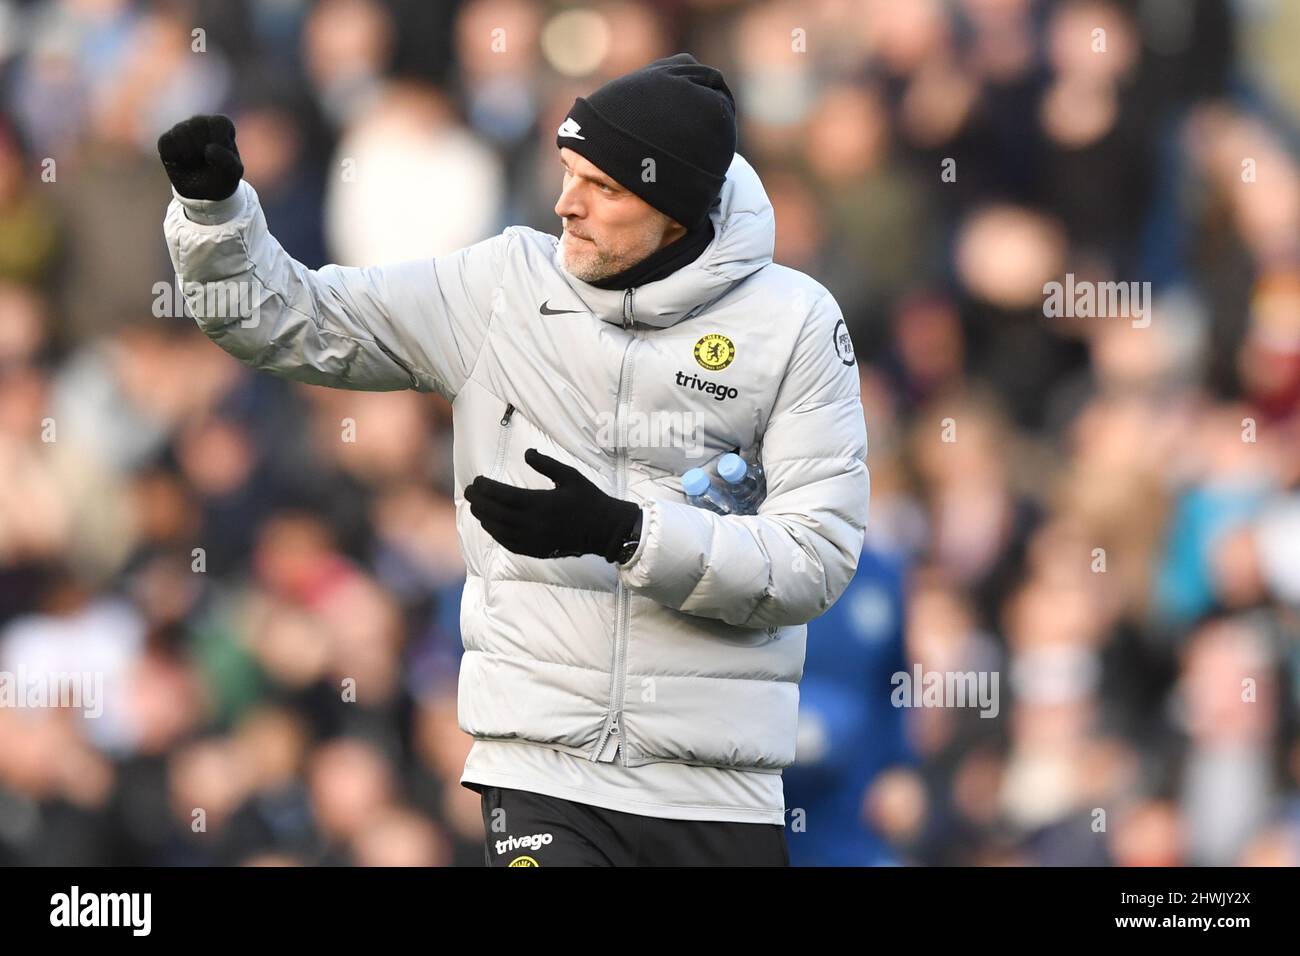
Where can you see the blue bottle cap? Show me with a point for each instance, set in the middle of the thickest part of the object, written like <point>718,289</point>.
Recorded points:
<point>695,481</point>
<point>732,468</point>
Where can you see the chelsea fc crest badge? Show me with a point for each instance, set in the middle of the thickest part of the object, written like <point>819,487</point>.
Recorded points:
<point>714,352</point>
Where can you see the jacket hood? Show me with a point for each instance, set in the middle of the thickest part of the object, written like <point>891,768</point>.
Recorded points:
<point>744,237</point>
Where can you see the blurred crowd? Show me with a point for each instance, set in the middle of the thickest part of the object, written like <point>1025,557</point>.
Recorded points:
<point>1104,513</point>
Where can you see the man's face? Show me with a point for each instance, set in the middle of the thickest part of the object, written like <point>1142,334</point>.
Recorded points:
<point>606,228</point>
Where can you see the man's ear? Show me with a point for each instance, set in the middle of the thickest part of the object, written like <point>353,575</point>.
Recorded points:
<point>673,230</point>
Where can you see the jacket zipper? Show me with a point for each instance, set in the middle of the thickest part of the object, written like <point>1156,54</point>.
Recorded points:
<point>771,631</point>
<point>627,309</point>
<point>621,600</point>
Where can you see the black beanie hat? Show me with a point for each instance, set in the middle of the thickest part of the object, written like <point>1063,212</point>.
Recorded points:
<point>676,112</point>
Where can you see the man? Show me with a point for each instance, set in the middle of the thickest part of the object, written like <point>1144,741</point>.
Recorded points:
<point>631,662</point>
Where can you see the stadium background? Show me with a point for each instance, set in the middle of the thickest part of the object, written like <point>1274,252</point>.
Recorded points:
<point>376,131</point>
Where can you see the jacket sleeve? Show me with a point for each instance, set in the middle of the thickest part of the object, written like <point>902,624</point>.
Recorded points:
<point>791,561</point>
<point>414,325</point>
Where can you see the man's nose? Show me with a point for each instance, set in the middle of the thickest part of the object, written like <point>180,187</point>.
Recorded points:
<point>568,205</point>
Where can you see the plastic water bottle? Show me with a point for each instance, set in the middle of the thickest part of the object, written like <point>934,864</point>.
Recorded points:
<point>746,482</point>
<point>703,493</point>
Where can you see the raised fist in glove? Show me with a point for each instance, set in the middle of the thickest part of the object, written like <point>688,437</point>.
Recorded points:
<point>573,518</point>
<point>201,158</point>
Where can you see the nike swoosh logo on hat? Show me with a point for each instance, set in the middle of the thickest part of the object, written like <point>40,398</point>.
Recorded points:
<point>546,311</point>
<point>571,128</point>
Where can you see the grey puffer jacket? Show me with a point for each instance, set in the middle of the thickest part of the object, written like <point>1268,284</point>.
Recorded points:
<point>691,651</point>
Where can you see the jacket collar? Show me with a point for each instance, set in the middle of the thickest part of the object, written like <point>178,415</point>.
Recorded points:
<point>744,237</point>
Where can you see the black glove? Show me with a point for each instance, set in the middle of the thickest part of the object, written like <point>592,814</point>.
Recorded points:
<point>573,518</point>
<point>201,158</point>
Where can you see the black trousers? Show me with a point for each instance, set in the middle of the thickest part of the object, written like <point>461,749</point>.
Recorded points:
<point>530,829</point>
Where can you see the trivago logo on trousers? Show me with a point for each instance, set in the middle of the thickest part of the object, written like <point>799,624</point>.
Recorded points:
<point>534,842</point>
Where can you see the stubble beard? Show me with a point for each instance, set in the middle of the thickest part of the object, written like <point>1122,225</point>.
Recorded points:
<point>592,262</point>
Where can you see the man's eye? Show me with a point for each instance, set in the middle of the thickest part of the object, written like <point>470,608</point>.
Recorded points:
<point>604,187</point>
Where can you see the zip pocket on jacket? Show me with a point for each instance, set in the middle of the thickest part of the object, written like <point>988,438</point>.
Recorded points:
<point>498,463</point>
<point>502,439</point>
